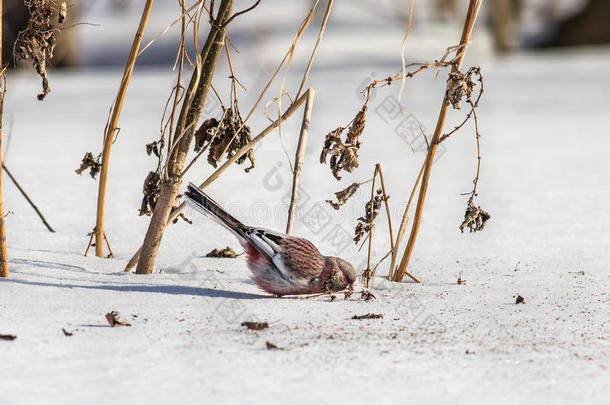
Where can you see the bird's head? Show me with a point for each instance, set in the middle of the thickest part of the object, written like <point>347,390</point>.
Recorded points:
<point>348,271</point>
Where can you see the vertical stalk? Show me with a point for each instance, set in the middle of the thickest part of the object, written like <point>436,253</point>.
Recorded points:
<point>473,8</point>
<point>3,252</point>
<point>298,159</point>
<point>192,107</point>
<point>111,129</point>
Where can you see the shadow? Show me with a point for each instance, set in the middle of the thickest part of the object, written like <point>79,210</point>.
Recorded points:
<point>159,289</point>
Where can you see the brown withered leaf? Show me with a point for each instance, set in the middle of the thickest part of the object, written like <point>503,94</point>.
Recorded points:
<point>271,346</point>
<point>371,210</point>
<point>114,320</point>
<point>226,252</point>
<point>343,195</point>
<point>151,191</point>
<point>519,299</point>
<point>90,162</point>
<point>460,85</point>
<point>36,42</point>
<point>228,139</point>
<point>368,316</point>
<point>344,154</point>
<point>8,337</point>
<point>474,218</point>
<point>255,325</point>
<point>205,133</point>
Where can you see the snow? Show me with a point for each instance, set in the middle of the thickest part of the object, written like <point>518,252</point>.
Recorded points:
<point>544,125</point>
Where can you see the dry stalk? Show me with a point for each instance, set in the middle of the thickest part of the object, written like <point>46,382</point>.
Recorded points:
<point>370,273</point>
<point>112,127</point>
<point>189,115</point>
<point>299,157</point>
<point>473,8</point>
<point>27,197</point>
<point>153,238</point>
<point>3,250</point>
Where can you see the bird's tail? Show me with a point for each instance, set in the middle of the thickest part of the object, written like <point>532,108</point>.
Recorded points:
<point>205,205</point>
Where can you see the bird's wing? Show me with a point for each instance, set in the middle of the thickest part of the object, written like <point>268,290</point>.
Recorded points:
<point>292,256</point>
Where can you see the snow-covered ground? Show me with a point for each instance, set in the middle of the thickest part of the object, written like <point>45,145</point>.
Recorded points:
<point>544,123</point>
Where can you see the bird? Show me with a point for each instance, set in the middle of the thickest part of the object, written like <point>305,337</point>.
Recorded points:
<point>280,264</point>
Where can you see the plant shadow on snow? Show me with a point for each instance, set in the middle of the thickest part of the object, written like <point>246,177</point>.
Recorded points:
<point>160,289</point>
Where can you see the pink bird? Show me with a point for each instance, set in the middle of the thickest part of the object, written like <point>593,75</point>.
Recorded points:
<point>281,264</point>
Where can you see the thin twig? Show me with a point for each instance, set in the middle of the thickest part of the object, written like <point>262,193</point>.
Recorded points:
<point>299,157</point>
<point>29,200</point>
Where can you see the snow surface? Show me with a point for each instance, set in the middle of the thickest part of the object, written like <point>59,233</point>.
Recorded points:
<point>544,123</point>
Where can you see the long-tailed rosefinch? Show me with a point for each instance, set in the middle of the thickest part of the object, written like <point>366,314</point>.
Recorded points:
<point>281,264</point>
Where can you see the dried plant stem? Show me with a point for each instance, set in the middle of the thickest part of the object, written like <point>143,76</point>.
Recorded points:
<point>112,127</point>
<point>29,200</point>
<point>190,113</point>
<point>473,8</point>
<point>315,48</point>
<point>403,227</point>
<point>176,212</point>
<point>3,250</point>
<point>299,157</point>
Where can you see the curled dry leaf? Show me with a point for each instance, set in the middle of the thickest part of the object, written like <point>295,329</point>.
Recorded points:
<point>114,320</point>
<point>223,135</point>
<point>151,192</point>
<point>90,162</point>
<point>37,41</point>
<point>519,299</point>
<point>155,148</point>
<point>226,252</point>
<point>371,210</point>
<point>474,218</point>
<point>368,316</point>
<point>344,155</point>
<point>344,195</point>
<point>255,325</point>
<point>460,85</point>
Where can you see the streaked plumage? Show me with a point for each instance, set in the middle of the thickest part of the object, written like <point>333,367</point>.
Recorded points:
<point>281,264</point>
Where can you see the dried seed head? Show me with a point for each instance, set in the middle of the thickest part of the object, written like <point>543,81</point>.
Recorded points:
<point>344,195</point>
<point>90,162</point>
<point>37,41</point>
<point>151,191</point>
<point>474,218</point>
<point>344,155</point>
<point>460,85</point>
<point>224,137</point>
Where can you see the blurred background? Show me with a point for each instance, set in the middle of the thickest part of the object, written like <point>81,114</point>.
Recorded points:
<point>510,25</point>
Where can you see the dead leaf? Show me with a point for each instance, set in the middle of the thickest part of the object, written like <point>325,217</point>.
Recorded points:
<point>113,319</point>
<point>255,325</point>
<point>367,316</point>
<point>226,252</point>
<point>8,337</point>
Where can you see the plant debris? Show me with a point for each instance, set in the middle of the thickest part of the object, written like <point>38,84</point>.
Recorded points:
<point>344,155</point>
<point>343,195</point>
<point>8,337</point>
<point>365,222</point>
<point>155,148</point>
<point>460,85</point>
<point>113,319</point>
<point>37,41</point>
<point>474,218</point>
<point>226,252</point>
<point>66,333</point>
<point>271,346</point>
<point>519,299</point>
<point>151,192</point>
<point>90,162</point>
<point>223,136</point>
<point>367,295</point>
<point>255,325</point>
<point>367,316</point>
<point>460,280</point>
